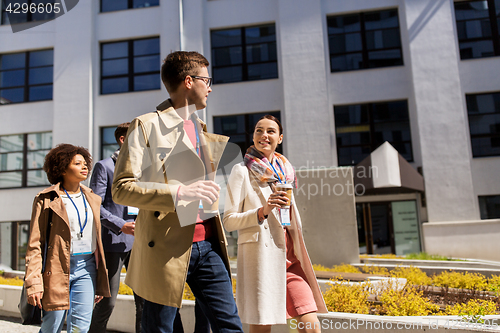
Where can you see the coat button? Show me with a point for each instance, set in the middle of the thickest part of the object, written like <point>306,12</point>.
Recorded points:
<point>151,244</point>
<point>49,273</point>
<point>265,226</point>
<point>267,245</point>
<point>157,213</point>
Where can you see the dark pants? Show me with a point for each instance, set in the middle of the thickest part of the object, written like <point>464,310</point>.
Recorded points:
<point>210,283</point>
<point>102,311</point>
<point>201,325</point>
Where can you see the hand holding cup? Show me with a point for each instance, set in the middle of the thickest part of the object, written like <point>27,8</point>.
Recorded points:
<point>280,198</point>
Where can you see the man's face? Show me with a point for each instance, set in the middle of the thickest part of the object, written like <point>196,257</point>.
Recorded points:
<point>199,91</point>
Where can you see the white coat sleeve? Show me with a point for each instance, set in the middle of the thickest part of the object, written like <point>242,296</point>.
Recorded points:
<point>235,218</point>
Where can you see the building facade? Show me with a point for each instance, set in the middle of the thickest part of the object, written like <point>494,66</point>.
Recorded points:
<point>343,76</point>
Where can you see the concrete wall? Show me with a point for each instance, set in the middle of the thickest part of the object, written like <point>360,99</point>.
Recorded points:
<point>442,118</point>
<point>468,239</point>
<point>325,199</point>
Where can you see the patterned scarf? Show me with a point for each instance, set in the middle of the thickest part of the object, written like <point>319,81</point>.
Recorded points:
<point>261,168</point>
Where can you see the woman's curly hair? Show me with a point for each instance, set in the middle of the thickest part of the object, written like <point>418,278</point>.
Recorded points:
<point>59,158</point>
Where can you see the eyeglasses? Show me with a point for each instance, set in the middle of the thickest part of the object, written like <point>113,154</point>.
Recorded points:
<point>206,79</point>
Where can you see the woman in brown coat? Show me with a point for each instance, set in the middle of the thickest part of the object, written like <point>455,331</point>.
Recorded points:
<point>65,266</point>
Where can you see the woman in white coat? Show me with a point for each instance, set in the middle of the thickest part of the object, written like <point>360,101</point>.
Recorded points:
<point>275,280</point>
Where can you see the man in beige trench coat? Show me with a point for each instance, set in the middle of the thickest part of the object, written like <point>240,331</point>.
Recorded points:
<point>163,169</point>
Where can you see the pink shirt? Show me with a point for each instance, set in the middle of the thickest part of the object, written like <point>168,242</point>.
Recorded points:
<point>203,229</point>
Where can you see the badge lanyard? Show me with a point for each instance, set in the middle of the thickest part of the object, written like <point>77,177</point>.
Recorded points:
<point>276,173</point>
<point>200,205</point>
<point>78,213</point>
<point>283,212</point>
<point>197,138</point>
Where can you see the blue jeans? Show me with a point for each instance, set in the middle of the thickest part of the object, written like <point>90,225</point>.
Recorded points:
<point>211,285</point>
<point>82,279</point>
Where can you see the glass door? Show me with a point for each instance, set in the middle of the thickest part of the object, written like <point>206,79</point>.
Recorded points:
<point>406,227</point>
<point>388,227</point>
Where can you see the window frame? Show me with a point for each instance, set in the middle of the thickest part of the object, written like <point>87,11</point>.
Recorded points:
<point>482,200</point>
<point>102,129</point>
<point>248,128</point>
<point>479,114</point>
<point>371,123</point>
<point>244,63</point>
<point>495,34</point>
<point>130,5</point>
<point>130,73</point>
<point>17,258</point>
<point>25,168</point>
<point>26,86</point>
<point>364,44</point>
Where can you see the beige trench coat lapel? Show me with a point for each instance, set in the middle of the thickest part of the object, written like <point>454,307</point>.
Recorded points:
<point>57,205</point>
<point>212,145</point>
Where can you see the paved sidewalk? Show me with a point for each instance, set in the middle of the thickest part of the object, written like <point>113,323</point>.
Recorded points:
<point>13,325</point>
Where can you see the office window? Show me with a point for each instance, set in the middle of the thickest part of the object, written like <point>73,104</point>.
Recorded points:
<point>14,238</point>
<point>484,123</point>
<point>108,141</point>
<point>112,5</point>
<point>489,207</point>
<point>361,128</point>
<point>45,10</point>
<point>364,40</point>
<point>239,128</point>
<point>478,24</point>
<point>26,76</point>
<point>132,65</point>
<point>21,159</point>
<point>244,54</point>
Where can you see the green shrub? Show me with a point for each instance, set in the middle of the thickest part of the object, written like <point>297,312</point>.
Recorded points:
<point>11,281</point>
<point>473,281</point>
<point>342,297</point>
<point>474,307</point>
<point>376,270</point>
<point>125,290</point>
<point>188,294</point>
<point>426,256</point>
<point>413,275</point>
<point>406,302</point>
<point>380,256</point>
<point>321,268</point>
<point>344,268</point>
<point>494,283</point>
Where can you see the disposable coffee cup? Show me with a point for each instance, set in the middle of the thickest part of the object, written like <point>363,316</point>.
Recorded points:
<point>209,208</point>
<point>288,189</point>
